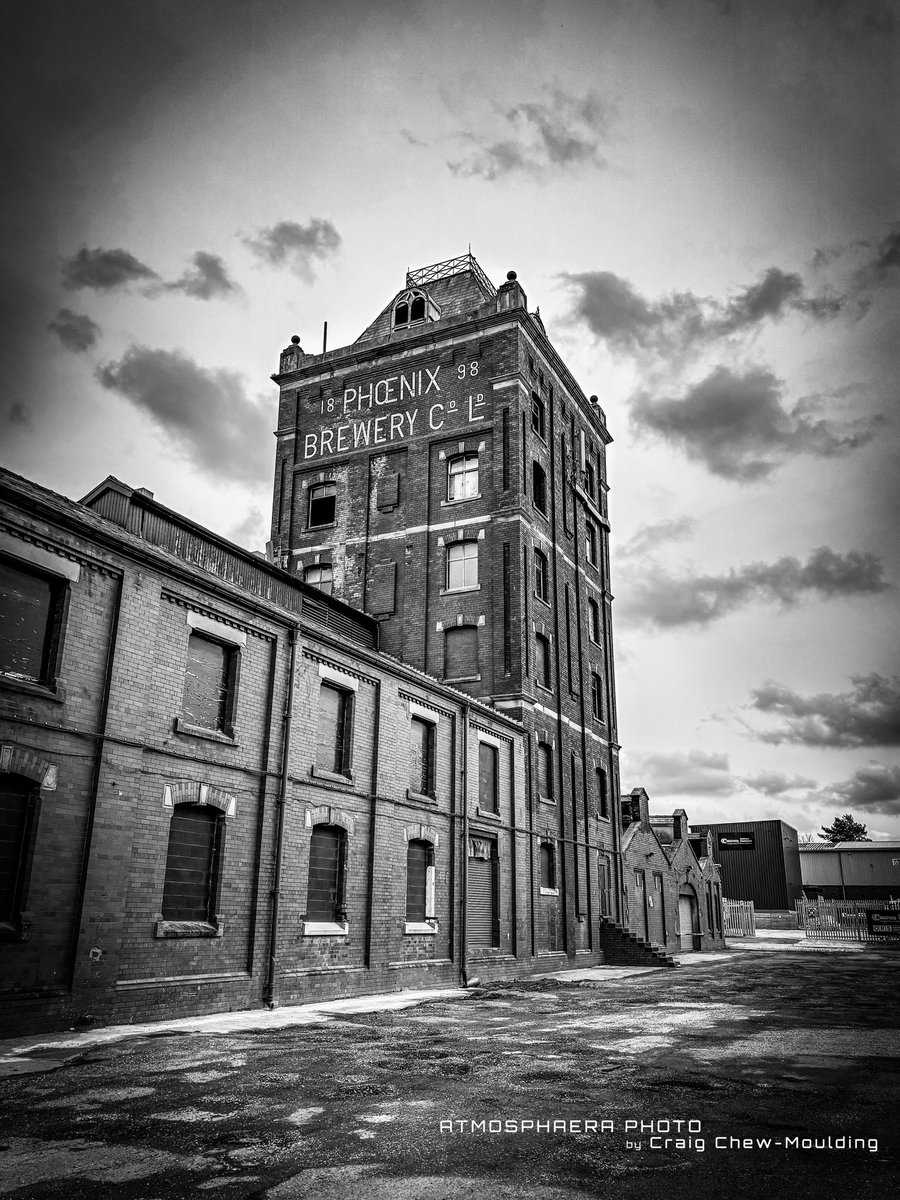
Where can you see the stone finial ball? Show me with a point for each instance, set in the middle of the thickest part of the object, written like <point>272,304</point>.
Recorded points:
<point>295,340</point>
<point>511,275</point>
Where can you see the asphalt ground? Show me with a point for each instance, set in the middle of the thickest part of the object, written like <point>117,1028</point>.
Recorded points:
<point>782,1068</point>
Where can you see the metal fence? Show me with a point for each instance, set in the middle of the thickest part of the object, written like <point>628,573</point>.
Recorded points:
<point>740,920</point>
<point>839,920</point>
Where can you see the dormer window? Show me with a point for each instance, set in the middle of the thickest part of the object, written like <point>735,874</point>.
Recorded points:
<point>414,307</point>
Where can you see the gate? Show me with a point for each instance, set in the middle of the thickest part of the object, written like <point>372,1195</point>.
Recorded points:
<point>842,920</point>
<point>740,919</point>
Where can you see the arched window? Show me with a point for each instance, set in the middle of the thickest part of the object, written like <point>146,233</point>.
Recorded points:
<point>320,576</point>
<point>545,771</point>
<point>193,863</point>
<point>539,486</point>
<point>548,867</point>
<point>541,576</point>
<point>462,565</point>
<point>421,756</point>
<point>18,797</point>
<point>461,652</point>
<point>325,899</point>
<point>419,882</point>
<point>414,307</point>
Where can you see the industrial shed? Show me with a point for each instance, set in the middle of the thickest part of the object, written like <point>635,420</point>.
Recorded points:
<point>851,870</point>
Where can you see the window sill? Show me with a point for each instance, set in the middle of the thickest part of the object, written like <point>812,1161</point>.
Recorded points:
<point>54,692</point>
<point>487,814</point>
<point>17,930</point>
<point>332,776</point>
<point>601,817</point>
<point>316,528</point>
<point>324,929</point>
<point>546,800</point>
<point>472,587</point>
<point>542,687</point>
<point>189,929</point>
<point>420,797</point>
<point>463,500</point>
<point>541,599</point>
<point>537,508</point>
<point>461,679</point>
<point>549,891</point>
<point>420,927</point>
<point>200,731</point>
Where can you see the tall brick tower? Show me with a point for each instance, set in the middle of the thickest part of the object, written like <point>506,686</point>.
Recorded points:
<point>447,474</point>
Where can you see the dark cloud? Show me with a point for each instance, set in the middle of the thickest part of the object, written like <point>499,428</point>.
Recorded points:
<point>208,279</point>
<point>869,715</point>
<point>298,247</point>
<point>104,270</point>
<point>649,537</point>
<point>563,131</point>
<point>737,427</point>
<point>874,788</point>
<point>615,311</point>
<point>206,413</point>
<point>75,330</point>
<point>654,596</point>
<point>776,783</point>
<point>685,773</point>
<point>887,256</point>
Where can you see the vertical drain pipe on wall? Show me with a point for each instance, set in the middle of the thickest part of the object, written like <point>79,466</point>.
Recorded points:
<point>464,898</point>
<point>269,994</point>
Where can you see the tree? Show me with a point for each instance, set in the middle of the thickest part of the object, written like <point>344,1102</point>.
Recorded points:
<point>845,829</point>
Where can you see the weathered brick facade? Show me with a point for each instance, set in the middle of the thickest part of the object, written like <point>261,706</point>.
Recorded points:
<point>388,426</point>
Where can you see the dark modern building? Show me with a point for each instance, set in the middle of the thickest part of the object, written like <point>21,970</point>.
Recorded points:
<point>446,474</point>
<point>760,861</point>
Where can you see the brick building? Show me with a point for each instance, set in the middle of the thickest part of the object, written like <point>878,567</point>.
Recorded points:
<point>446,474</point>
<point>673,885</point>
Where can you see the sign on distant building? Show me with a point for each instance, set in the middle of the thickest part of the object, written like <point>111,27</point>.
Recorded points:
<point>737,841</point>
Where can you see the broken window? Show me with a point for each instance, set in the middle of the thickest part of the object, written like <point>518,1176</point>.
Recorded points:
<point>333,750</point>
<point>322,504</point>
<point>488,773</point>
<point>421,757</point>
<point>209,683</point>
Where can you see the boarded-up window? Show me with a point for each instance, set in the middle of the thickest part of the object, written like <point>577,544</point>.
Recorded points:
<point>334,740</point>
<point>419,881</point>
<point>602,793</point>
<point>488,777</point>
<point>421,756</point>
<point>539,486</point>
<point>387,491</point>
<point>17,797</point>
<point>325,889</point>
<point>381,592</point>
<point>462,565</point>
<point>542,661</point>
<point>461,652</point>
<point>192,865</point>
<point>209,683</point>
<point>30,609</point>
<point>548,866</point>
<point>545,770</point>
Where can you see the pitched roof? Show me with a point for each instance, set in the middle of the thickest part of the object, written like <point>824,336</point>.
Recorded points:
<point>457,286</point>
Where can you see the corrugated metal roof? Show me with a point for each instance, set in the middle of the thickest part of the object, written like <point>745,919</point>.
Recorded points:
<point>860,847</point>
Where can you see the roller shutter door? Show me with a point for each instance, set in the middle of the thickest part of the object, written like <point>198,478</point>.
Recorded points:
<point>480,918</point>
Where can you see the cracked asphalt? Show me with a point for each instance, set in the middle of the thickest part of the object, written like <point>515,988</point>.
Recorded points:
<point>752,1047</point>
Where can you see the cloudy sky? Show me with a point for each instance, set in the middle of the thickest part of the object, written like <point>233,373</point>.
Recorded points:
<point>700,195</point>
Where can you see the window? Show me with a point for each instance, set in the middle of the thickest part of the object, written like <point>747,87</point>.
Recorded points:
<point>542,662</point>
<point>210,680</point>
<point>18,798</point>
<point>322,504</point>
<point>539,486</point>
<point>414,307</point>
<point>541,577</point>
<point>591,543</point>
<point>321,577</point>
<point>31,612</point>
<point>327,867</point>
<point>461,652</point>
<point>421,757</point>
<point>594,620</point>
<point>596,696</point>
<point>538,416</point>
<point>545,771</point>
<point>488,777</point>
<point>462,477</point>
<point>333,748</point>
<point>190,892</point>
<point>462,566</point>
<point>531,364</point>
<point>419,883</point>
<point>590,482</point>
<point>602,794</point>
<point>548,867</point>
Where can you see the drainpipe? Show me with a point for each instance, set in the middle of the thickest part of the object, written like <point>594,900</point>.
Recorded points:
<point>373,813</point>
<point>269,994</point>
<point>464,898</point>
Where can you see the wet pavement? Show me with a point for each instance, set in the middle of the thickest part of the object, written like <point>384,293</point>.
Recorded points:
<point>772,1073</point>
